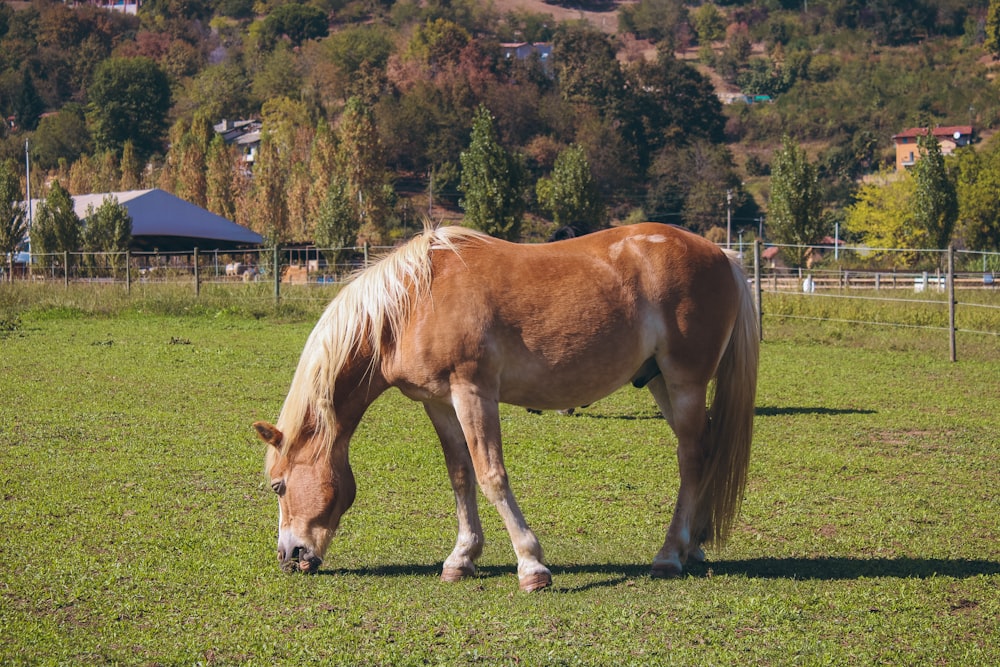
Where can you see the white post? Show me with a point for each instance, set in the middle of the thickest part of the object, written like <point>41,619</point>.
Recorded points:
<point>27,181</point>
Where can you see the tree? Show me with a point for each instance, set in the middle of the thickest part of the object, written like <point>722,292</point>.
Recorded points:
<point>570,195</point>
<point>978,189</point>
<point>322,168</point>
<point>992,44</point>
<point>709,23</point>
<point>492,182</point>
<point>61,135</point>
<point>268,205</point>
<point>129,99</point>
<point>882,217</point>
<point>671,104</point>
<point>587,69</point>
<point>436,43</point>
<point>130,168</point>
<point>337,223</point>
<point>935,203</point>
<point>56,227</point>
<point>108,229</point>
<point>295,22</point>
<point>795,210</point>
<point>28,106</point>
<point>13,215</point>
<point>220,186</point>
<point>361,163</point>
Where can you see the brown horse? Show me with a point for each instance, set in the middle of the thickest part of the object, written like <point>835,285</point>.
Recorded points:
<point>462,322</point>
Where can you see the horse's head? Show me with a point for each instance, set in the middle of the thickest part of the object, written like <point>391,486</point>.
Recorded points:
<point>314,490</point>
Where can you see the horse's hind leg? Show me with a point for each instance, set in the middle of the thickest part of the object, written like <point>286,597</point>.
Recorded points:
<point>683,406</point>
<point>469,544</point>
<point>480,418</point>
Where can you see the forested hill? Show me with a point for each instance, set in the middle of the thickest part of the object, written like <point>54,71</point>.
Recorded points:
<point>674,110</point>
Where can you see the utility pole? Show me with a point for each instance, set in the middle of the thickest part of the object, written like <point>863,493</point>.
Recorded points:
<point>729,218</point>
<point>27,182</point>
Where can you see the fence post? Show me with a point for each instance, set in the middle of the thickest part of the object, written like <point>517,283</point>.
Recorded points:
<point>951,301</point>
<point>66,269</point>
<point>197,277</point>
<point>757,288</point>
<point>366,254</point>
<point>128,271</point>
<point>277,274</point>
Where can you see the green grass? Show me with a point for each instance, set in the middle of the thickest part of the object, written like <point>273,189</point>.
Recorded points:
<point>139,529</point>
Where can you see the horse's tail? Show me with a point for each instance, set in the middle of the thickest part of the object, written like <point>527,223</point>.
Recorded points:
<point>731,416</point>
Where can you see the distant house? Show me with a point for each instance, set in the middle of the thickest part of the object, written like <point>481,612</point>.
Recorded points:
<point>525,50</point>
<point>126,6</point>
<point>245,134</point>
<point>950,138</point>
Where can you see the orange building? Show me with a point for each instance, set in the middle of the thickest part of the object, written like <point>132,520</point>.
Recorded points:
<point>950,138</point>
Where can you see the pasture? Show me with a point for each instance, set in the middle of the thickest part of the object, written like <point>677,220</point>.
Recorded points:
<point>138,527</point>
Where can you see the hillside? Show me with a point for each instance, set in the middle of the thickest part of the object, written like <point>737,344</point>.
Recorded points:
<point>840,79</point>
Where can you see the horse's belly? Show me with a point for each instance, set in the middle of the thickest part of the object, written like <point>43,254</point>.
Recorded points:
<point>560,388</point>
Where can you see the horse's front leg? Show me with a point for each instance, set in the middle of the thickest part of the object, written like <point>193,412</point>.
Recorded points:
<point>469,544</point>
<point>684,410</point>
<point>480,419</point>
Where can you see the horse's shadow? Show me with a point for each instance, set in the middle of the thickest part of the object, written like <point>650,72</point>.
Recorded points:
<point>796,569</point>
<point>761,411</point>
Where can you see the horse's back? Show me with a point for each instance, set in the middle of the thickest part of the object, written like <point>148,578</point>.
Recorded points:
<point>560,324</point>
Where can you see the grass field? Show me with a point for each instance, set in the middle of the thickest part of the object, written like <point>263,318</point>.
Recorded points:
<point>138,527</point>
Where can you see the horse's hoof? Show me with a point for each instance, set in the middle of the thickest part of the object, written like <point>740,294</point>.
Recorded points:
<point>665,571</point>
<point>452,574</point>
<point>535,582</point>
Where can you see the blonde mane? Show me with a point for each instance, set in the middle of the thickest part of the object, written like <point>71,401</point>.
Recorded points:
<point>375,300</point>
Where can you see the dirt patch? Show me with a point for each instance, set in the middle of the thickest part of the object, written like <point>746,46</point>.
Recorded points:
<point>603,21</point>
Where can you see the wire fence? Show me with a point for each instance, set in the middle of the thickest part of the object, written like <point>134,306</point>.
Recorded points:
<point>952,291</point>
<point>943,290</point>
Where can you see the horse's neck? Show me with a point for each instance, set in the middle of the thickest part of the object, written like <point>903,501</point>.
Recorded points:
<point>357,386</point>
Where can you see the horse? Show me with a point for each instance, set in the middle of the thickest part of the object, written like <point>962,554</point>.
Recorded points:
<point>462,322</point>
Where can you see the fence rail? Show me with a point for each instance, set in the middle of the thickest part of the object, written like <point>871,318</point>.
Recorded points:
<point>929,289</point>
<point>790,294</point>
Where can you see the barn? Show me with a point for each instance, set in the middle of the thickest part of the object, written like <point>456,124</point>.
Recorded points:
<point>161,221</point>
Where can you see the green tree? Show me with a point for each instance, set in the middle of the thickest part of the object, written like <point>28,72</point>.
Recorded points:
<point>129,99</point>
<point>709,23</point>
<point>881,216</point>
<point>107,229</point>
<point>296,22</point>
<point>978,189</point>
<point>587,69</point>
<point>935,203</point>
<point>130,168</point>
<point>28,106</point>
<point>56,227</point>
<point>492,182</point>
<point>220,185</point>
<point>268,204</point>
<point>361,163</point>
<point>13,215</point>
<point>795,210</point>
<point>337,223</point>
<point>62,135</point>
<point>438,42</point>
<point>571,195</point>
<point>992,44</point>
<point>658,20</point>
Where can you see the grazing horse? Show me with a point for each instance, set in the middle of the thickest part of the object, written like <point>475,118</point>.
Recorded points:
<point>463,322</point>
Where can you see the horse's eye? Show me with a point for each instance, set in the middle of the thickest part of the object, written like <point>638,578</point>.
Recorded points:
<point>278,485</point>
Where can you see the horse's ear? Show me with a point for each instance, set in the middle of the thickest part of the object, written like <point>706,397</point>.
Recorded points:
<point>268,433</point>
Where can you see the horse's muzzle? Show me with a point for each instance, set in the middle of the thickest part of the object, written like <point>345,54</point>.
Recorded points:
<point>299,559</point>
